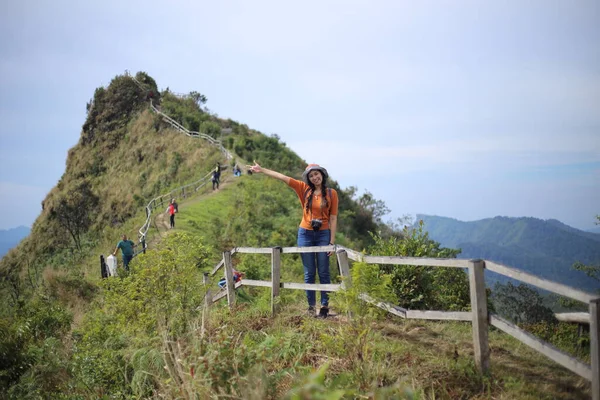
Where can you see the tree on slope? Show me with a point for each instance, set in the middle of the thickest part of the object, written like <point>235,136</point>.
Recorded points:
<point>73,210</point>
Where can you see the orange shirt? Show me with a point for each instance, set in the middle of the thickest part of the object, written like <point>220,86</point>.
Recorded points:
<point>302,190</point>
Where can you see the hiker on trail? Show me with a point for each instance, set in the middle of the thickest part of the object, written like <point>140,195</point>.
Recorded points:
<point>318,225</point>
<point>215,179</point>
<point>172,210</point>
<point>236,170</point>
<point>175,205</point>
<point>126,247</point>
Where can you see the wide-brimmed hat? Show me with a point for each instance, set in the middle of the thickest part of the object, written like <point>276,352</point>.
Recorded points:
<point>313,167</point>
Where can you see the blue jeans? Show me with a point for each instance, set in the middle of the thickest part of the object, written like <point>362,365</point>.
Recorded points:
<point>126,260</point>
<point>314,262</point>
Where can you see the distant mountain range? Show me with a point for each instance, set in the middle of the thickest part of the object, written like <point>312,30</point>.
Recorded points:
<point>9,238</point>
<point>546,248</point>
<point>594,230</point>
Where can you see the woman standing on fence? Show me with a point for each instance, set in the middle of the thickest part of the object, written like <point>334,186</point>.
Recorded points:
<point>318,225</point>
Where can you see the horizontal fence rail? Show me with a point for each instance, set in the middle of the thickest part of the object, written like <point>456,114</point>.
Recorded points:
<point>545,348</point>
<point>177,126</point>
<point>480,318</point>
<point>554,287</point>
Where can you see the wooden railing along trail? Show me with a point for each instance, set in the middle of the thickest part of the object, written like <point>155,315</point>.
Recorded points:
<point>480,318</point>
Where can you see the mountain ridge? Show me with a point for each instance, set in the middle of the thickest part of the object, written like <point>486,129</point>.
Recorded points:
<point>547,248</point>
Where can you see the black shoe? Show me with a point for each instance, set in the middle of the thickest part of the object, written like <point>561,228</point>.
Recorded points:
<point>311,311</point>
<point>323,312</point>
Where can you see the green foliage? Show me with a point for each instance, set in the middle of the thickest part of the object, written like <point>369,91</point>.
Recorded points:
<point>199,98</point>
<point>99,361</point>
<point>74,210</point>
<point>149,82</point>
<point>159,297</point>
<point>359,216</point>
<point>210,128</point>
<point>31,349</point>
<point>565,336</point>
<point>521,304</point>
<point>111,110</point>
<point>314,387</point>
<point>163,288</point>
<point>357,336</point>
<point>593,271</point>
<point>366,279</point>
<point>268,151</point>
<point>425,288</point>
<point>186,111</point>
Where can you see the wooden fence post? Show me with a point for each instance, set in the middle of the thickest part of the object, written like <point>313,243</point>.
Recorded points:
<point>595,347</point>
<point>344,265</point>
<point>207,304</point>
<point>480,315</point>
<point>230,284</point>
<point>208,296</point>
<point>275,278</point>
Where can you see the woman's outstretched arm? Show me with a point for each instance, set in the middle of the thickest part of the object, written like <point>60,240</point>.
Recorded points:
<point>273,174</point>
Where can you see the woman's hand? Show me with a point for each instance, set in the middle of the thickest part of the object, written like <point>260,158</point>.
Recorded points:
<point>255,168</point>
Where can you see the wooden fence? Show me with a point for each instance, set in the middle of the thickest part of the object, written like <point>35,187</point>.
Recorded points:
<point>480,318</point>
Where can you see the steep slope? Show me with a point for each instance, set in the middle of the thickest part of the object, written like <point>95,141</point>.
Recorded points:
<point>544,248</point>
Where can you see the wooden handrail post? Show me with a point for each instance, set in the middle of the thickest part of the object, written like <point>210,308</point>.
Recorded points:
<point>275,278</point>
<point>230,284</point>
<point>208,296</point>
<point>344,265</point>
<point>480,315</point>
<point>595,347</point>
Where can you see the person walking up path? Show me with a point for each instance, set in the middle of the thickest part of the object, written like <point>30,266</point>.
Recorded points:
<point>318,225</point>
<point>171,210</point>
<point>216,176</point>
<point>126,247</point>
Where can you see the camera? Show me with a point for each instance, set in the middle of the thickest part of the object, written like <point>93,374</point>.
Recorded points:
<point>316,224</point>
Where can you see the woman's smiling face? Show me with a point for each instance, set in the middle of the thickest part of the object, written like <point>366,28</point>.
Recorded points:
<point>315,177</point>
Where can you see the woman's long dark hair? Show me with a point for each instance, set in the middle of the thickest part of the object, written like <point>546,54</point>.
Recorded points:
<point>312,191</point>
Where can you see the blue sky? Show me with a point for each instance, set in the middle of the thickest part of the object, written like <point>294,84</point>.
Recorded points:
<point>466,109</point>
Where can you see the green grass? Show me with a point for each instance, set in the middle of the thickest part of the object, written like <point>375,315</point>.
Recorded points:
<point>434,360</point>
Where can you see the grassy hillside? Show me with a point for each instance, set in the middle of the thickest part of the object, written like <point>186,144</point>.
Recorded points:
<point>543,248</point>
<point>67,334</point>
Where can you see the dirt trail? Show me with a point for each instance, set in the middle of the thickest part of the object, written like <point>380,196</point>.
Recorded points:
<point>161,224</point>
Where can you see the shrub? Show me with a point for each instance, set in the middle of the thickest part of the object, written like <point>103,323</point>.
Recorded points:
<point>425,288</point>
